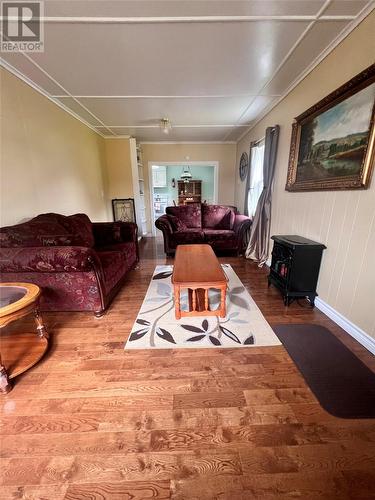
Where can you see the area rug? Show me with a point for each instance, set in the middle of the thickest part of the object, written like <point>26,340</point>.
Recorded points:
<point>343,385</point>
<point>157,327</point>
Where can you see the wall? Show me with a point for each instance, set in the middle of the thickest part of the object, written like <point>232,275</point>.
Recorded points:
<point>344,221</point>
<point>225,154</point>
<point>119,180</point>
<point>50,162</point>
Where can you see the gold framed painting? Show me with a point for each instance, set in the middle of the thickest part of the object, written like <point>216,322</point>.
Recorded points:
<point>333,142</point>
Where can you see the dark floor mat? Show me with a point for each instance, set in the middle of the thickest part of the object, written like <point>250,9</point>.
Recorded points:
<point>343,385</point>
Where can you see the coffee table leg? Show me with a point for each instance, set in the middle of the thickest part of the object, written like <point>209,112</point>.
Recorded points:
<point>5,385</point>
<point>41,329</point>
<point>222,302</point>
<point>177,306</point>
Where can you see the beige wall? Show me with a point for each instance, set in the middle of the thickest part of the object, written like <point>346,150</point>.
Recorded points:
<point>49,160</point>
<point>225,154</point>
<point>344,221</point>
<point>119,181</point>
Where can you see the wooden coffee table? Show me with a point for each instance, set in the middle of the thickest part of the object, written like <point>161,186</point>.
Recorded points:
<point>197,269</point>
<point>19,351</point>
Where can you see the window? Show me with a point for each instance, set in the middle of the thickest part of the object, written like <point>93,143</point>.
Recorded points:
<point>256,177</point>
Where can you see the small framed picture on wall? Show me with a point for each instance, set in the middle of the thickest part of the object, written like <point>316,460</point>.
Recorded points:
<point>123,210</point>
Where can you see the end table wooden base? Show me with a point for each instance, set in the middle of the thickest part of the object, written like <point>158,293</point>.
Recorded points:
<point>20,351</point>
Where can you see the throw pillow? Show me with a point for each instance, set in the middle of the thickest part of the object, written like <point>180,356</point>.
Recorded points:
<point>224,222</point>
<point>55,240</point>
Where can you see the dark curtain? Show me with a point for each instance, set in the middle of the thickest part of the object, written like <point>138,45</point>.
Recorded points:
<point>258,246</point>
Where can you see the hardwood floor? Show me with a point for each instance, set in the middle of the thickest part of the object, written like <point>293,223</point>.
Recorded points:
<point>92,421</point>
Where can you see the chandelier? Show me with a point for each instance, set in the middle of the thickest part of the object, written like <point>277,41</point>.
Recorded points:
<point>186,174</point>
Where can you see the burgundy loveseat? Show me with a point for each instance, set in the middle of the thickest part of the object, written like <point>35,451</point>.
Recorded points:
<point>218,225</point>
<point>79,265</point>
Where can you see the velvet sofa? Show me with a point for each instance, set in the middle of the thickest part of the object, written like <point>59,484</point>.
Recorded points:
<point>218,225</point>
<point>79,265</point>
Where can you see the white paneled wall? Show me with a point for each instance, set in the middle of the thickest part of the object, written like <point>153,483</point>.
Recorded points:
<point>342,220</point>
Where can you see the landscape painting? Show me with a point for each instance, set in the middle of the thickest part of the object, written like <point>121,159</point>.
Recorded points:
<point>333,142</point>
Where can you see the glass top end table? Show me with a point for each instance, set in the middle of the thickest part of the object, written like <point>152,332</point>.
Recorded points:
<point>19,351</point>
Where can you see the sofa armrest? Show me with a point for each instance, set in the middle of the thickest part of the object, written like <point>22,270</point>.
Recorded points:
<point>110,233</point>
<point>48,259</point>
<point>128,231</point>
<point>242,224</point>
<point>163,223</point>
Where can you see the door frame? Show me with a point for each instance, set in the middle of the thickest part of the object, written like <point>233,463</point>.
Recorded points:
<point>214,164</point>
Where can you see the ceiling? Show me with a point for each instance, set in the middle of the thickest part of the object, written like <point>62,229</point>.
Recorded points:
<point>212,67</point>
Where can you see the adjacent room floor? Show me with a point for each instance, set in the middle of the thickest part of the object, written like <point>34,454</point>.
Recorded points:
<point>94,421</point>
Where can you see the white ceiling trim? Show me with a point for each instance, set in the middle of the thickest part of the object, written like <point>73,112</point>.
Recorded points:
<point>68,94</point>
<point>221,125</point>
<point>289,54</point>
<point>217,96</point>
<point>184,19</point>
<point>317,17</point>
<point>118,137</point>
<point>36,87</point>
<point>61,87</point>
<point>178,142</point>
<point>286,58</point>
<point>344,33</point>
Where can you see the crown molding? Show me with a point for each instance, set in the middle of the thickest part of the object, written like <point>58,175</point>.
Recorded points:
<point>212,96</point>
<point>8,67</point>
<point>188,19</point>
<point>230,125</point>
<point>340,37</point>
<point>118,137</point>
<point>186,142</point>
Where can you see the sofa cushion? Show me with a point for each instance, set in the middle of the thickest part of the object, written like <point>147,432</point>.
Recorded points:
<point>106,233</point>
<point>187,236</point>
<point>190,215</point>
<point>218,234</point>
<point>114,267</point>
<point>128,248</point>
<point>217,216</point>
<point>176,223</point>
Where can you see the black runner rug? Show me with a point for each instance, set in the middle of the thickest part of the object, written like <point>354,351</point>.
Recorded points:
<point>343,385</point>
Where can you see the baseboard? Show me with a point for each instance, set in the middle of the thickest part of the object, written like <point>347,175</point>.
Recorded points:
<point>362,337</point>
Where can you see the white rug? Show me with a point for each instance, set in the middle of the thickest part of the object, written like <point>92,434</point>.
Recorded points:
<point>157,327</point>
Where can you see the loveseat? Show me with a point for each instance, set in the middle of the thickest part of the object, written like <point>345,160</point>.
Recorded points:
<point>218,225</point>
<point>79,265</point>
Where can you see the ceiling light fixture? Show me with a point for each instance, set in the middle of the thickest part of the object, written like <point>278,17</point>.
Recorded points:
<point>165,125</point>
<point>186,174</point>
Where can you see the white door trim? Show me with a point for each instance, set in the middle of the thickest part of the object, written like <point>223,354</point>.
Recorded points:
<point>214,164</point>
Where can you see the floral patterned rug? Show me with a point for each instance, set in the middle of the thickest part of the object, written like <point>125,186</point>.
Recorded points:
<point>157,327</point>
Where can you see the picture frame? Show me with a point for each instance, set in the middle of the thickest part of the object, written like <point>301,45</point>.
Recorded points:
<point>333,142</point>
<point>123,210</point>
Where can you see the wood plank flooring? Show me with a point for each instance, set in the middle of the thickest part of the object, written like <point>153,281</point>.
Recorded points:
<point>92,421</point>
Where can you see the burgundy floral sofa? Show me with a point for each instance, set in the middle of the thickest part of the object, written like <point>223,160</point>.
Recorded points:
<point>218,225</point>
<point>79,265</point>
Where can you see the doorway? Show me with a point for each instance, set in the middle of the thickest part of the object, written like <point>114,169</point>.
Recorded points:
<point>169,187</point>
